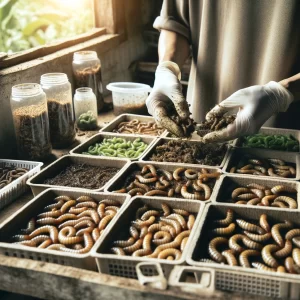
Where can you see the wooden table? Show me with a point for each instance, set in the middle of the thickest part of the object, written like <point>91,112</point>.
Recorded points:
<point>52,281</point>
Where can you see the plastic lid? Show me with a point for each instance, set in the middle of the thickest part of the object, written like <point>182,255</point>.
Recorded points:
<point>26,90</point>
<point>128,87</point>
<point>84,93</point>
<point>85,55</point>
<point>54,79</point>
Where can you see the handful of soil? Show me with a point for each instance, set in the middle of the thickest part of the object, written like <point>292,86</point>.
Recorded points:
<point>83,176</point>
<point>218,122</point>
<point>179,151</point>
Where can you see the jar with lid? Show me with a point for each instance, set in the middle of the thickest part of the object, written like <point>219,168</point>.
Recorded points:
<point>60,108</point>
<point>85,105</point>
<point>87,73</point>
<point>29,109</point>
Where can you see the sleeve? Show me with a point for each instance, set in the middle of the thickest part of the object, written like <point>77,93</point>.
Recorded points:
<point>174,16</point>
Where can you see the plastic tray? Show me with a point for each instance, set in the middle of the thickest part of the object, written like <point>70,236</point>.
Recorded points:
<point>271,131</point>
<point>118,182</point>
<point>36,182</point>
<point>238,279</point>
<point>18,186</point>
<point>235,154</point>
<point>161,141</point>
<point>124,266</point>
<point>126,118</point>
<point>98,138</point>
<point>227,183</point>
<point>32,208</point>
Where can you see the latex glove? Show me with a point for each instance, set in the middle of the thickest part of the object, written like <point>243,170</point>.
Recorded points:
<point>166,90</point>
<point>255,104</point>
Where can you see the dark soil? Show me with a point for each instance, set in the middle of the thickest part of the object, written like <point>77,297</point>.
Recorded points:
<point>192,153</point>
<point>83,176</point>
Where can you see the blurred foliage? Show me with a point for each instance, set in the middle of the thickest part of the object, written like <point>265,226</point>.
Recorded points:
<point>28,23</point>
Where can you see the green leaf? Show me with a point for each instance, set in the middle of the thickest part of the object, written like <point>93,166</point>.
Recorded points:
<point>32,27</point>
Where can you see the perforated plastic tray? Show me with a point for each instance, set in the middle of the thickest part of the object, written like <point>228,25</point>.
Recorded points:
<point>227,183</point>
<point>34,207</point>
<point>146,156</point>
<point>98,138</point>
<point>18,186</point>
<point>36,182</point>
<point>124,266</point>
<point>118,182</point>
<point>236,154</point>
<point>127,118</point>
<point>271,131</point>
<point>238,279</point>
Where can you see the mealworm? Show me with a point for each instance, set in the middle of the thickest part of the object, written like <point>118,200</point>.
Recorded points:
<point>260,169</point>
<point>263,267</point>
<point>141,185</point>
<point>170,252</point>
<point>247,167</point>
<point>170,258</point>
<point>133,232</point>
<point>249,227</point>
<point>212,249</point>
<point>207,260</point>
<point>178,187</point>
<point>154,227</point>
<point>236,192</point>
<point>110,202</point>
<point>205,188</point>
<point>185,194</point>
<point>288,200</point>
<point>149,213</point>
<point>209,175</point>
<point>137,245</point>
<point>141,252</point>
<point>183,243</point>
<point>267,256</point>
<point>63,198</point>
<point>224,231</point>
<point>190,174</point>
<point>135,191</point>
<point>285,251</point>
<point>247,196</point>
<point>167,174</point>
<point>173,223</point>
<point>47,221</point>
<point>166,209</point>
<point>84,223</point>
<point>296,241</point>
<point>67,205</point>
<point>233,243</point>
<point>276,234</point>
<point>290,266</point>
<point>39,239</point>
<point>52,214</point>
<point>156,192</point>
<point>177,172</point>
<point>90,213</point>
<point>246,171</point>
<point>67,236</point>
<point>171,192</point>
<point>258,237</point>
<point>230,258</point>
<point>90,204</point>
<point>162,237</point>
<point>227,220</point>
<point>181,212</point>
<point>56,247</point>
<point>84,198</point>
<point>292,233</point>
<point>120,191</point>
<point>142,179</point>
<point>147,241</point>
<point>276,161</point>
<point>244,257</point>
<point>76,246</point>
<point>122,244</point>
<point>283,188</point>
<point>296,256</point>
<point>151,168</point>
<point>263,222</point>
<point>104,222</point>
<point>95,234</point>
<point>45,244</point>
<point>74,222</point>
<point>251,244</point>
<point>259,193</point>
<point>254,201</point>
<point>84,230</point>
<point>232,170</point>
<point>144,231</point>
<point>180,219</point>
<point>77,211</point>
<point>57,205</point>
<point>51,230</point>
<point>268,192</point>
<point>141,210</point>
<point>88,244</point>
<point>140,223</point>
<point>265,200</point>
<point>256,186</point>
<point>169,229</point>
<point>279,204</point>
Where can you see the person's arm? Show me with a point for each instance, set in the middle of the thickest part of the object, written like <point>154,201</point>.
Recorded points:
<point>292,84</point>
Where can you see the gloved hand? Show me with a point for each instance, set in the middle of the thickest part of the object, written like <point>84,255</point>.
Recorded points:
<point>167,89</point>
<point>256,105</point>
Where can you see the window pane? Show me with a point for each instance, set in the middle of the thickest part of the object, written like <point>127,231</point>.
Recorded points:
<point>28,23</point>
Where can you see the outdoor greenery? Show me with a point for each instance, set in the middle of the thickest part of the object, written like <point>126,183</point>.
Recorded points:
<point>28,23</point>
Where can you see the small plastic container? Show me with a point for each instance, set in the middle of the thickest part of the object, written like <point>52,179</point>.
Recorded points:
<point>129,97</point>
<point>60,108</point>
<point>87,73</point>
<point>85,105</point>
<point>29,109</point>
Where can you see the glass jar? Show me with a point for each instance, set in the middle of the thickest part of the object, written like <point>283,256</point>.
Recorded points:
<point>29,109</point>
<point>60,108</point>
<point>85,105</point>
<point>87,73</point>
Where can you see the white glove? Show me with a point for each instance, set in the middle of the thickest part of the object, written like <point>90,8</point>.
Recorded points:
<point>167,89</point>
<point>256,105</point>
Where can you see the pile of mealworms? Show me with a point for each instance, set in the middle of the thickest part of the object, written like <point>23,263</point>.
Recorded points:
<point>264,167</point>
<point>157,233</point>
<point>137,127</point>
<point>187,125</point>
<point>68,225</point>
<point>182,182</point>
<point>265,246</point>
<point>10,173</point>
<point>282,196</point>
